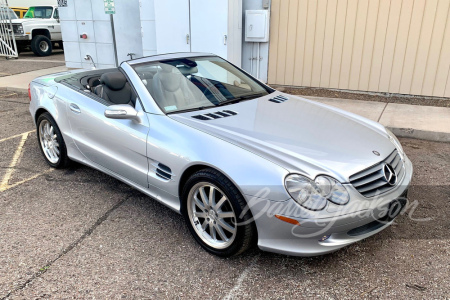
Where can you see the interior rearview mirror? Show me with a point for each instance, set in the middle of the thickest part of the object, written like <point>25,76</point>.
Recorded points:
<point>122,111</point>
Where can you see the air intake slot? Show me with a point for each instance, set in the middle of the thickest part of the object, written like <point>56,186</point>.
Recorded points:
<point>163,171</point>
<point>202,117</point>
<point>279,99</point>
<point>215,115</point>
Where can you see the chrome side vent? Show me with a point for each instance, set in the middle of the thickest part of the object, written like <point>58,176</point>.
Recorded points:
<point>279,99</point>
<point>381,177</point>
<point>163,171</point>
<point>215,115</point>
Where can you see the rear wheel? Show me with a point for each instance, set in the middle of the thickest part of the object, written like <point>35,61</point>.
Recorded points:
<point>212,209</point>
<point>51,142</point>
<point>41,45</point>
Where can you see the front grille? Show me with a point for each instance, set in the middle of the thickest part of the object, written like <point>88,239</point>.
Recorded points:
<point>371,181</point>
<point>16,29</point>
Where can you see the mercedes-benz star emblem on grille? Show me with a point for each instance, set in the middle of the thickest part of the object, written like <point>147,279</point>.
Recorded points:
<point>389,174</point>
<point>376,153</point>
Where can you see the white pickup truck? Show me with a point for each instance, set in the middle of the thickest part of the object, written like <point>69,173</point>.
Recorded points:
<point>39,29</point>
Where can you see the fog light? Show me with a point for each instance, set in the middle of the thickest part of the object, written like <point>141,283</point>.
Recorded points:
<point>324,238</point>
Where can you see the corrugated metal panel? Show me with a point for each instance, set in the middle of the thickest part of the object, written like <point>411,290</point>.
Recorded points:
<point>395,46</point>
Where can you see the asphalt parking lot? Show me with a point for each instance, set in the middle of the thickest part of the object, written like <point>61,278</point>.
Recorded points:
<point>78,233</point>
<point>27,62</point>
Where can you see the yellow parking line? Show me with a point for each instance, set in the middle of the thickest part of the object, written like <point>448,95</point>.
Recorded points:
<point>14,161</point>
<point>7,187</point>
<point>17,135</point>
<point>4,184</point>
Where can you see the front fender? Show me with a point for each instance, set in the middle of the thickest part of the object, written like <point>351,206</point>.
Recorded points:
<point>180,147</point>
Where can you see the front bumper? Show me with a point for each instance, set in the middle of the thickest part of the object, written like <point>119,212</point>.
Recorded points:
<point>22,37</point>
<point>334,229</point>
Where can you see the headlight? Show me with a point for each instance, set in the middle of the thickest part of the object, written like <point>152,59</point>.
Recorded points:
<point>18,29</point>
<point>395,141</point>
<point>314,195</point>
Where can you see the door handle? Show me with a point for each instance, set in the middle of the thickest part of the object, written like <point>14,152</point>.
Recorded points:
<point>75,108</point>
<point>225,38</point>
<point>187,38</point>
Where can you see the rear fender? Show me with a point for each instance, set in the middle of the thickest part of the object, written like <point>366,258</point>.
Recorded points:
<point>48,99</point>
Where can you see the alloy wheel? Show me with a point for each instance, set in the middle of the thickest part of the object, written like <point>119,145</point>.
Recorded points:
<point>212,215</point>
<point>49,141</point>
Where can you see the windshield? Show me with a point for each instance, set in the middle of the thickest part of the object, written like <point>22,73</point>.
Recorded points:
<point>7,13</point>
<point>197,83</point>
<point>39,12</point>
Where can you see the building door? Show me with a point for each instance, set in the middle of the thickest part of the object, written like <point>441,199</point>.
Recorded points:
<point>192,25</point>
<point>172,26</point>
<point>209,26</point>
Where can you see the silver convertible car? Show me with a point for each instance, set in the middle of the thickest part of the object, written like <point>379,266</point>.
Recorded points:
<point>243,163</point>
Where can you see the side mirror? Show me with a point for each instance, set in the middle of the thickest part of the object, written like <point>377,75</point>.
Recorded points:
<point>122,111</point>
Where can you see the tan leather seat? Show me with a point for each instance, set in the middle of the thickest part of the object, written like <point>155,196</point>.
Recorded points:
<point>171,88</point>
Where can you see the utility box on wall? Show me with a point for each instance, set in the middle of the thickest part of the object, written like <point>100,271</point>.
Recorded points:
<point>257,26</point>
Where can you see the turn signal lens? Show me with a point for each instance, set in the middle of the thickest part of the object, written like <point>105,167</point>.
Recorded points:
<point>288,220</point>
<point>29,91</point>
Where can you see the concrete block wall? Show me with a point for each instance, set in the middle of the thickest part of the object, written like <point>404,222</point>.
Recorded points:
<point>88,17</point>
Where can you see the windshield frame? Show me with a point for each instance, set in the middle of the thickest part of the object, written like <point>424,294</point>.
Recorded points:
<point>267,88</point>
<point>39,6</point>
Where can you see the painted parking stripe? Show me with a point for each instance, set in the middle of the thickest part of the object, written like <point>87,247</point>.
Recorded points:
<point>7,187</point>
<point>234,292</point>
<point>14,161</point>
<point>17,135</point>
<point>4,184</point>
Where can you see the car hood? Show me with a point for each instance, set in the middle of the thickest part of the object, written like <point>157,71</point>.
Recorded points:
<point>298,134</point>
<point>28,20</point>
<point>19,21</point>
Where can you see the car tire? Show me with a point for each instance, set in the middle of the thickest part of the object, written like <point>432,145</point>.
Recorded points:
<point>217,236</point>
<point>41,45</point>
<point>51,142</point>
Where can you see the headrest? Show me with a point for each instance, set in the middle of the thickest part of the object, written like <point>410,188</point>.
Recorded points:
<point>171,81</point>
<point>113,80</point>
<point>167,68</point>
<point>188,71</point>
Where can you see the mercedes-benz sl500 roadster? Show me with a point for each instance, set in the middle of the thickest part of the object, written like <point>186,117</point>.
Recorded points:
<point>243,163</point>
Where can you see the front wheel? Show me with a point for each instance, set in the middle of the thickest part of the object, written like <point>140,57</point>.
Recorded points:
<point>212,209</point>
<point>41,45</point>
<point>51,142</point>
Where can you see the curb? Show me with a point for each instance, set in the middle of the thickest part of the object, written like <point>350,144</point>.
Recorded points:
<point>14,89</point>
<point>421,134</point>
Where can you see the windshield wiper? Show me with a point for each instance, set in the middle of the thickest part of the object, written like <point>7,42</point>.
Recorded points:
<point>190,109</point>
<point>239,99</point>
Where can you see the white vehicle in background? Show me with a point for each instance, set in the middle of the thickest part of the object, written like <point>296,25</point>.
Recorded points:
<point>7,13</point>
<point>40,30</point>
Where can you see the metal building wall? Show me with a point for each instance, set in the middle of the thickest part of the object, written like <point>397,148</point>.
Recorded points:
<point>88,17</point>
<point>395,46</point>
